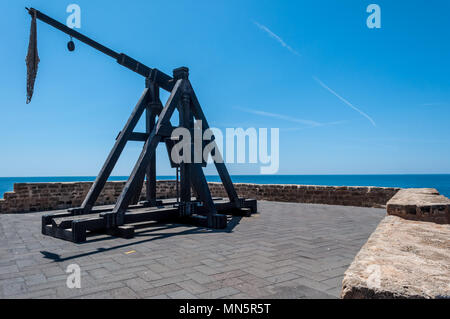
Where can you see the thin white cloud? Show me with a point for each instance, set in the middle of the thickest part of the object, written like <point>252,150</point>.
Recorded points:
<point>310,123</point>
<point>302,128</point>
<point>276,37</point>
<point>344,100</point>
<point>432,104</point>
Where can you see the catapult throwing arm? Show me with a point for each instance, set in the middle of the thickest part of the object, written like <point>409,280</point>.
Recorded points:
<point>163,80</point>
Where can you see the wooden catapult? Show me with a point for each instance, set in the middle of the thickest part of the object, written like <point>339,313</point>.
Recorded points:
<point>201,210</point>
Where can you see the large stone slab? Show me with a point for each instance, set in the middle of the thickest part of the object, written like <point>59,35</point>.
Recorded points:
<point>420,204</point>
<point>401,259</point>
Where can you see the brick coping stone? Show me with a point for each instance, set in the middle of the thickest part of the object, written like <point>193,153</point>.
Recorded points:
<point>423,204</point>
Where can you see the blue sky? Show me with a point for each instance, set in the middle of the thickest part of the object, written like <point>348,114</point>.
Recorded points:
<point>347,99</point>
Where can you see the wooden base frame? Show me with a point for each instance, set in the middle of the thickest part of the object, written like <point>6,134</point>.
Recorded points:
<point>76,228</point>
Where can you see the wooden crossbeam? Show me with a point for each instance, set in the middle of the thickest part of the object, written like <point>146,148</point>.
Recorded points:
<point>138,136</point>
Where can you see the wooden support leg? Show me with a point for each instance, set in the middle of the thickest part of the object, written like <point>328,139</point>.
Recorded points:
<point>78,231</point>
<point>151,113</point>
<point>202,189</point>
<point>147,153</point>
<point>186,121</point>
<point>114,155</point>
<point>137,175</point>
<point>220,165</point>
<point>137,195</point>
<point>150,116</point>
<point>214,220</point>
<point>150,194</point>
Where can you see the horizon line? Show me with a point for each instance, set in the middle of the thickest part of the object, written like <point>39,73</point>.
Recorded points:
<point>333,174</point>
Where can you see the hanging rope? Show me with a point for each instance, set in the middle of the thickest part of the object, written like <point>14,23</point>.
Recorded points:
<point>32,59</point>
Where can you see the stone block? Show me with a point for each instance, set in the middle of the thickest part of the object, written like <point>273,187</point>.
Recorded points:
<point>401,259</point>
<point>420,204</point>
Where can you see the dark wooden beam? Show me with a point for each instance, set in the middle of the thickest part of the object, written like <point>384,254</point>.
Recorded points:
<point>138,137</point>
<point>220,165</point>
<point>163,80</point>
<point>114,155</point>
<point>150,116</point>
<point>147,153</point>
<point>185,168</point>
<point>77,35</point>
<point>186,120</point>
<point>202,190</point>
<point>150,123</point>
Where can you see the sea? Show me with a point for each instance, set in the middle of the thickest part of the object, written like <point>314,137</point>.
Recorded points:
<point>439,181</point>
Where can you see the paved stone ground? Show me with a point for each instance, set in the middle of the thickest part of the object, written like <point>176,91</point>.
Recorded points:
<point>288,250</point>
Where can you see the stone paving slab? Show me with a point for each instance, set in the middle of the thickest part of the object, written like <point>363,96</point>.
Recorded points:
<point>288,250</point>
